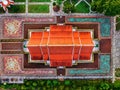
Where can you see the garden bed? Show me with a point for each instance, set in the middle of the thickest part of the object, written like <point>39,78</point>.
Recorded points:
<point>16,9</point>
<point>38,8</point>
<point>39,0</point>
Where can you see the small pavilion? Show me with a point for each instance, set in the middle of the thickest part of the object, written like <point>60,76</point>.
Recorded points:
<point>6,3</point>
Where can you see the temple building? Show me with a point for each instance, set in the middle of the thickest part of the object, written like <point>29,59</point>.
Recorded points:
<point>60,45</point>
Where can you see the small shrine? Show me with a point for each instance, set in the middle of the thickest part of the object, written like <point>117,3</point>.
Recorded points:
<point>6,3</point>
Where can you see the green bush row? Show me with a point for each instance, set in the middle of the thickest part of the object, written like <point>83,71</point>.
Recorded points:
<point>63,85</point>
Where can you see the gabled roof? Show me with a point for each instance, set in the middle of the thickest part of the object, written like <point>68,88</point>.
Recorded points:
<point>60,45</point>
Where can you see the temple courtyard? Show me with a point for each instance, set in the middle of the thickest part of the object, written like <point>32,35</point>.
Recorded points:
<point>16,59</point>
<point>45,44</point>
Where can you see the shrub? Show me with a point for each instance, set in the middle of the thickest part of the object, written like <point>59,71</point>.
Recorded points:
<point>107,7</point>
<point>68,7</point>
<point>54,3</point>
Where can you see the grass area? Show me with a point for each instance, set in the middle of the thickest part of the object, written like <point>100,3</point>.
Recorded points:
<point>17,9</point>
<point>82,8</point>
<point>118,23</point>
<point>39,0</point>
<point>1,10</point>
<point>19,0</point>
<point>38,8</point>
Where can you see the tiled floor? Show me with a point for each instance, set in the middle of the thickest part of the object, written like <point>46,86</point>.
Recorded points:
<point>105,45</point>
<point>12,46</point>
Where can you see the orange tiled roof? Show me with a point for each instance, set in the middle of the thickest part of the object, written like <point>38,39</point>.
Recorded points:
<point>60,45</point>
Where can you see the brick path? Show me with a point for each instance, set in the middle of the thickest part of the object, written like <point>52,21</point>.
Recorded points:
<point>12,46</point>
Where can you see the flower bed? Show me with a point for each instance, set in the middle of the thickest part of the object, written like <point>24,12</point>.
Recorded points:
<point>103,69</point>
<point>12,28</point>
<point>12,64</point>
<point>105,26</point>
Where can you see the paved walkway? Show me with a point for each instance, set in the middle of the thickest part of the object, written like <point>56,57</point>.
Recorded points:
<point>116,49</point>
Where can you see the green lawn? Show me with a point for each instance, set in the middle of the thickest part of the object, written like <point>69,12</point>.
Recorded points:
<point>82,8</point>
<point>38,8</point>
<point>19,0</point>
<point>39,0</point>
<point>118,23</point>
<point>17,9</point>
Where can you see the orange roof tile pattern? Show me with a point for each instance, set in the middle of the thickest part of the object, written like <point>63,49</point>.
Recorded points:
<point>60,45</point>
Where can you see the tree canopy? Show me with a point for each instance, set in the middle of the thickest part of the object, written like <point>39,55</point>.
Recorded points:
<point>107,7</point>
<point>63,85</point>
<point>68,7</point>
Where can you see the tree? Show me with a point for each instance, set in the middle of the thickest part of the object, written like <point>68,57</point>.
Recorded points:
<point>23,87</point>
<point>67,88</point>
<point>116,85</point>
<point>42,83</point>
<point>67,83</point>
<point>34,84</point>
<point>107,7</point>
<point>61,87</point>
<point>104,86</point>
<point>59,2</point>
<point>48,84</point>
<point>56,8</point>
<point>68,7</point>
<point>55,83</point>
